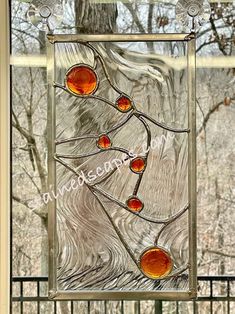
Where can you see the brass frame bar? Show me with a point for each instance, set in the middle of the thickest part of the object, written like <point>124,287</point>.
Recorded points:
<point>51,130</point>
<point>123,295</point>
<point>192,167</point>
<point>56,294</point>
<point>60,38</point>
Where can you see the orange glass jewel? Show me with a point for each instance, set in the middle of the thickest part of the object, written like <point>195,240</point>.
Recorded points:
<point>81,80</point>
<point>104,142</point>
<point>134,204</point>
<point>156,263</point>
<point>124,103</point>
<point>137,165</point>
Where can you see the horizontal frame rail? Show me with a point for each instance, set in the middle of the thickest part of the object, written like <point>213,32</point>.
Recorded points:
<point>61,38</point>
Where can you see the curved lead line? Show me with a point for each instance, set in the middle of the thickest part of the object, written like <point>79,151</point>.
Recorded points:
<point>109,174</point>
<point>114,128</point>
<point>146,126</point>
<point>98,56</point>
<point>66,166</point>
<point>57,85</point>
<point>140,215</point>
<point>110,103</point>
<point>92,188</point>
<point>105,194</point>
<point>116,230</point>
<point>169,222</point>
<point>105,177</point>
<point>135,112</point>
<point>77,174</point>
<point>73,139</point>
<point>138,113</point>
<point>77,157</point>
<point>122,150</point>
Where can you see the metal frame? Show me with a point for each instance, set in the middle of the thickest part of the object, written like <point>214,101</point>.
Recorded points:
<point>5,159</point>
<point>123,295</point>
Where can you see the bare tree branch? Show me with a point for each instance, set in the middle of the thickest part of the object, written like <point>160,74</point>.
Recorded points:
<point>219,253</point>
<point>27,34</point>
<point>22,202</point>
<point>34,154</point>
<point>32,179</point>
<point>19,128</point>
<point>41,212</point>
<point>134,16</point>
<point>209,113</point>
<point>217,37</point>
<point>150,18</point>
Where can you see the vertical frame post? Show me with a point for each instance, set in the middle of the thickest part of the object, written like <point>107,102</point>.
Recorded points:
<point>51,130</point>
<point>192,188</point>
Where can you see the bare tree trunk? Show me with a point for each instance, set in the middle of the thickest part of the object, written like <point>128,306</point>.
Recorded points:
<point>95,17</point>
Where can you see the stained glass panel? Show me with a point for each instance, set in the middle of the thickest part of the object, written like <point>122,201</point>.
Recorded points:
<point>120,155</point>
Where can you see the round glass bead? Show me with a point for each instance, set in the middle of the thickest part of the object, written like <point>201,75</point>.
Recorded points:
<point>104,142</point>
<point>155,263</point>
<point>124,103</point>
<point>135,204</point>
<point>81,80</point>
<point>137,165</point>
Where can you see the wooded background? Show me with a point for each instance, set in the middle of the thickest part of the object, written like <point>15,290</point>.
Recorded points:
<point>215,128</point>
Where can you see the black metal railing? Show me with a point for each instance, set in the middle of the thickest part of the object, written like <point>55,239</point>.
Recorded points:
<point>216,294</point>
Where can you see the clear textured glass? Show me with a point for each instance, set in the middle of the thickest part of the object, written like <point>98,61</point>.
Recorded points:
<point>100,241</point>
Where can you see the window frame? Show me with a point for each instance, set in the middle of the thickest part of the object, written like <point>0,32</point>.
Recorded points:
<point>4,159</point>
